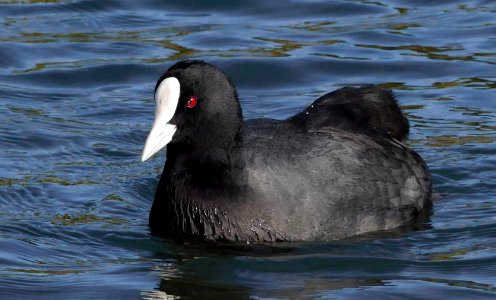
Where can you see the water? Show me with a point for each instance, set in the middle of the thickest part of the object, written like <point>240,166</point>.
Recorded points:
<point>76,90</point>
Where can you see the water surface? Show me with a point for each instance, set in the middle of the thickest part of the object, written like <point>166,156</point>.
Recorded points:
<point>76,90</point>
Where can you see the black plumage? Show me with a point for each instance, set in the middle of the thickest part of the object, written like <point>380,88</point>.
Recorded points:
<point>334,170</point>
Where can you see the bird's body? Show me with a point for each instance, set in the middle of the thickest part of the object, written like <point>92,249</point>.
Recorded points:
<point>335,170</point>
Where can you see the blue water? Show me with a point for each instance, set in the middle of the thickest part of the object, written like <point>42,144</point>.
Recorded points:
<point>76,90</point>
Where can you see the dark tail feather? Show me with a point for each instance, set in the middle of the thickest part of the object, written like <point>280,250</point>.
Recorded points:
<point>365,109</point>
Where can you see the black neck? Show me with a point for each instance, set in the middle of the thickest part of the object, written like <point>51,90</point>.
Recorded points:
<point>211,168</point>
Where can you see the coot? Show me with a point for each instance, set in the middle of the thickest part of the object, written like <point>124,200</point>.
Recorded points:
<point>337,169</point>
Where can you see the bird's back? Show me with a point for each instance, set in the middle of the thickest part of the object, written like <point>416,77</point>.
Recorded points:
<point>324,179</point>
<point>369,110</point>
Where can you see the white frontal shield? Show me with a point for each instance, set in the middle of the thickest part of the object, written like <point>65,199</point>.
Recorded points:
<point>166,98</point>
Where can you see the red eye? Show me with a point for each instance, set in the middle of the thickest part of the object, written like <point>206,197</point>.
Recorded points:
<point>191,102</point>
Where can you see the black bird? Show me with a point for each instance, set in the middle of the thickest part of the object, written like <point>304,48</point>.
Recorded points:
<point>337,169</point>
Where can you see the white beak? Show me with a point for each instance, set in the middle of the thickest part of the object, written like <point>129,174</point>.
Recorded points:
<point>166,98</point>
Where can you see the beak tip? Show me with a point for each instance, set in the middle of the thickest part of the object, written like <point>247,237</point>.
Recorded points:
<point>158,138</point>
<point>144,157</point>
